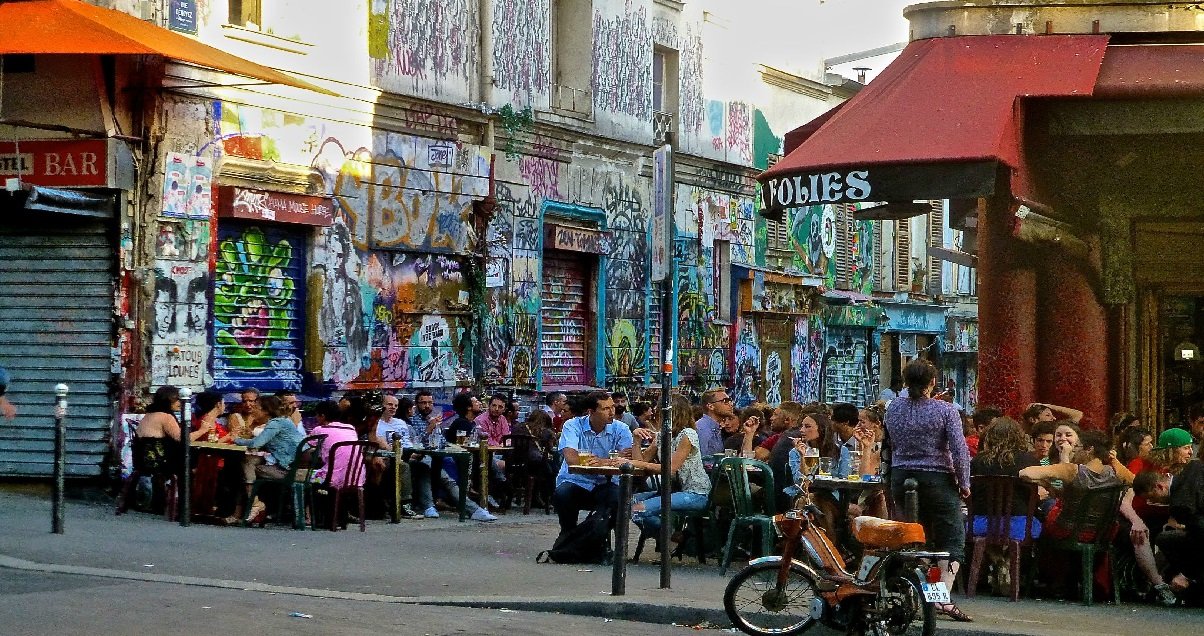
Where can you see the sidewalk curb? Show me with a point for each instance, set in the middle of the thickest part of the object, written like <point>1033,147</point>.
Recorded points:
<point>618,608</point>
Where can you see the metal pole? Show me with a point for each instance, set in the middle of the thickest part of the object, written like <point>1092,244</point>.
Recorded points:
<point>668,359</point>
<point>911,500</point>
<point>618,576</point>
<point>483,459</point>
<point>184,505</point>
<point>60,457</point>
<point>397,460</point>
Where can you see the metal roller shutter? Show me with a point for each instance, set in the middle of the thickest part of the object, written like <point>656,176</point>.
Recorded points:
<point>56,325</point>
<point>565,314</point>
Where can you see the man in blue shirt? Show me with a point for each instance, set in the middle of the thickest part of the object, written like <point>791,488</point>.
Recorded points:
<point>596,432</point>
<point>716,405</point>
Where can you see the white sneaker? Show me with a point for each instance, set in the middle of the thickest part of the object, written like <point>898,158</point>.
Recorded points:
<point>483,515</point>
<point>431,513</point>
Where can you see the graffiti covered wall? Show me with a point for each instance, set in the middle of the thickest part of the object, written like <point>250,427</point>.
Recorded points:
<point>425,48</point>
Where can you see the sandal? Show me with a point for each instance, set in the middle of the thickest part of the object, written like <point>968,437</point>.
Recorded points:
<point>953,611</point>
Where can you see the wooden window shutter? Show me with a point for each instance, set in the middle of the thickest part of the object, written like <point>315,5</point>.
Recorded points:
<point>844,245</point>
<point>903,255</point>
<point>936,237</point>
<point>880,273</point>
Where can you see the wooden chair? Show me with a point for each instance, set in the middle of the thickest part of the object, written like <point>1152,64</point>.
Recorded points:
<point>1014,533</point>
<point>735,470</point>
<point>349,478</point>
<point>519,469</point>
<point>292,485</point>
<point>1086,524</point>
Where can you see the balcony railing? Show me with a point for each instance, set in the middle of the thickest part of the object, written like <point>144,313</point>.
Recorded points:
<point>577,101</point>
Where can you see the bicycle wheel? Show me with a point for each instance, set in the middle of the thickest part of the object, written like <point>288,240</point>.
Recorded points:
<point>756,606</point>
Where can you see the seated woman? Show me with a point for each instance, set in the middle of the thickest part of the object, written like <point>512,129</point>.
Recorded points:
<point>1091,465</point>
<point>539,426</point>
<point>278,440</point>
<point>1133,448</point>
<point>156,444</point>
<point>1004,453</point>
<point>817,432</point>
<point>685,464</point>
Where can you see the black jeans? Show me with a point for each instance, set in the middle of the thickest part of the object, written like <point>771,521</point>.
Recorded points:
<point>570,499</point>
<point>940,509</point>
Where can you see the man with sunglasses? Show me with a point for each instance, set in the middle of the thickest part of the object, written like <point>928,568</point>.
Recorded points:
<point>716,405</point>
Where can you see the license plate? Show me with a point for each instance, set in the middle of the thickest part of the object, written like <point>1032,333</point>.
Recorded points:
<point>935,592</point>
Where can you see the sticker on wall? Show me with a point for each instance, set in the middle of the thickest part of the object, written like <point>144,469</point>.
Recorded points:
<point>186,187</point>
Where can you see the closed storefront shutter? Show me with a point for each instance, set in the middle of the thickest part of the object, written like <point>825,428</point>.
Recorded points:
<point>655,355</point>
<point>258,301</point>
<point>846,366</point>
<point>56,325</point>
<point>565,315</point>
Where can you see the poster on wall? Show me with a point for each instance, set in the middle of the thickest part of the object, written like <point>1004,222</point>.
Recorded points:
<point>186,187</point>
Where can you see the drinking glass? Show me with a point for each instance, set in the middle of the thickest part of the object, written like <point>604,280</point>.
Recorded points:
<point>748,454</point>
<point>854,465</point>
<point>461,438</point>
<point>729,452</point>
<point>583,457</point>
<point>811,460</point>
<point>825,466</point>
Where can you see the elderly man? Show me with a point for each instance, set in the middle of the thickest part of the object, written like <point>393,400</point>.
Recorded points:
<point>600,434</point>
<point>716,405</point>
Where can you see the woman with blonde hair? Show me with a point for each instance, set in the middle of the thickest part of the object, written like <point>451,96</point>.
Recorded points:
<point>685,464</point>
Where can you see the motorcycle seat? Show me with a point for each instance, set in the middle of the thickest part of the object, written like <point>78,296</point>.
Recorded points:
<point>873,532</point>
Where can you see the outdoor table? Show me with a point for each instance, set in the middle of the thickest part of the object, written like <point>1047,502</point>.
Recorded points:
<point>463,461</point>
<point>850,490</point>
<point>204,493</point>
<point>484,450</point>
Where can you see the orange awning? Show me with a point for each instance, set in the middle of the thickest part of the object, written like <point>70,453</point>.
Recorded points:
<point>72,27</point>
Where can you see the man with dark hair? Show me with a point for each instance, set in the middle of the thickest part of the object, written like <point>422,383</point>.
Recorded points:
<point>492,423</point>
<point>426,420</point>
<point>462,404</point>
<point>1182,548</point>
<point>716,405</point>
<point>1195,419</point>
<point>844,420</point>
<point>590,440</point>
<point>621,413</point>
<point>979,422</point>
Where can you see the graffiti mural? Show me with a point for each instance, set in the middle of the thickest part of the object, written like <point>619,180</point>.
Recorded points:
<point>257,301</point>
<point>521,48</point>
<point>748,364</point>
<point>626,281</point>
<point>773,378</point>
<point>739,133</point>
<point>414,193</point>
<point>622,81</point>
<point>813,240</point>
<point>428,47</point>
<point>861,257</point>
<point>691,102</point>
<point>806,358</point>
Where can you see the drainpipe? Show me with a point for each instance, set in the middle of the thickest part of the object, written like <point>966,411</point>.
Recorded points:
<point>485,70</point>
<point>485,208</point>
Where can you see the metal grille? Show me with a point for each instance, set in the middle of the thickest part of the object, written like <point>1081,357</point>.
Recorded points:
<point>565,315</point>
<point>655,355</point>
<point>258,292</point>
<point>56,325</point>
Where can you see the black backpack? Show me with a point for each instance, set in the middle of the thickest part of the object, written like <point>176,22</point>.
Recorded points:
<point>586,543</point>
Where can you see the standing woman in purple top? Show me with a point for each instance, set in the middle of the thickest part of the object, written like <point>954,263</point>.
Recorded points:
<point>929,446</point>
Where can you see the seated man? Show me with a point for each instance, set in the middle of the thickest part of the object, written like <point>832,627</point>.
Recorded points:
<point>389,428</point>
<point>599,433</point>
<point>1182,547</point>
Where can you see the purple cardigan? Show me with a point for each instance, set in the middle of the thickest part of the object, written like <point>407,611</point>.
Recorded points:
<point>926,434</point>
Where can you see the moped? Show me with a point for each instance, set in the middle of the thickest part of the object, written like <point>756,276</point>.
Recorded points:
<point>894,584</point>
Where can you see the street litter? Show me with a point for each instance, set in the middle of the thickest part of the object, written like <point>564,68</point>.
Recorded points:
<point>300,615</point>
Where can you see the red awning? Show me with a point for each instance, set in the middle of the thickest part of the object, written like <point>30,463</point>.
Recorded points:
<point>1152,70</point>
<point>72,27</point>
<point>936,123</point>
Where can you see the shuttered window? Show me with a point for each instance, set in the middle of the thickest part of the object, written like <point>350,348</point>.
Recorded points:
<point>903,255</point>
<point>655,355</point>
<point>565,316</point>
<point>258,301</point>
<point>936,237</point>
<point>56,325</point>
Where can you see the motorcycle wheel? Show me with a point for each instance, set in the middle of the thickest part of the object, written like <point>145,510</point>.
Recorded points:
<point>904,604</point>
<point>755,606</point>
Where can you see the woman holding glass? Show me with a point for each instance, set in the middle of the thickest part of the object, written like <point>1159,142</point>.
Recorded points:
<point>685,464</point>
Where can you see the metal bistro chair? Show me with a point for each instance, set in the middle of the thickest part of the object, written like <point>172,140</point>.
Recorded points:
<point>1015,533</point>
<point>350,478</point>
<point>691,523</point>
<point>292,485</point>
<point>735,470</point>
<point>1086,524</point>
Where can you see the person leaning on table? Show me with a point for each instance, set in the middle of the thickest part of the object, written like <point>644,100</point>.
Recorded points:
<point>599,433</point>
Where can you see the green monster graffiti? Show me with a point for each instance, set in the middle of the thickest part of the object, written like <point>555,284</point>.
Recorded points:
<point>251,299</point>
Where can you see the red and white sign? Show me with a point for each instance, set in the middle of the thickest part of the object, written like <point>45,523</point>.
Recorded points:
<point>58,162</point>
<point>282,207</point>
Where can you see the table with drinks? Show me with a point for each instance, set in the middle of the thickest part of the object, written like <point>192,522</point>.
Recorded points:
<point>209,462</point>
